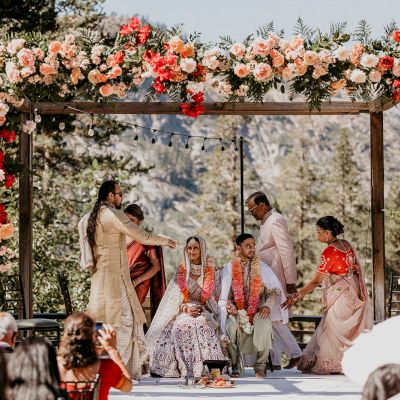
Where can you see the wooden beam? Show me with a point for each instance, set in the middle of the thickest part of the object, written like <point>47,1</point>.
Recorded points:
<point>377,216</point>
<point>378,106</point>
<point>25,216</point>
<point>267,108</point>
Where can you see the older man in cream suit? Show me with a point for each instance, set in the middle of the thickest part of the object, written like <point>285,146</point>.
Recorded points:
<point>275,248</point>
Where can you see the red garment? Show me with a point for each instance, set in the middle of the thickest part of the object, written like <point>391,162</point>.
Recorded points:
<point>110,376</point>
<point>338,262</point>
<point>139,262</point>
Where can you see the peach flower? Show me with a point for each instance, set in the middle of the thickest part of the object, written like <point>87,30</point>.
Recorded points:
<point>27,71</point>
<point>2,120</point>
<point>261,47</point>
<point>47,69</point>
<point>26,58</point>
<point>310,57</point>
<point>262,72</point>
<point>76,74</point>
<point>106,90</point>
<point>188,50</point>
<point>55,47</point>
<point>39,53</point>
<point>337,85</point>
<point>6,231</point>
<point>296,42</point>
<point>13,73</point>
<point>287,73</point>
<point>115,72</point>
<point>95,76</point>
<point>301,69</point>
<point>278,60</point>
<point>241,70</point>
<point>238,50</point>
<point>176,44</point>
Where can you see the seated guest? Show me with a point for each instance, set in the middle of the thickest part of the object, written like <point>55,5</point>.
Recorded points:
<point>250,298</point>
<point>145,264</point>
<point>8,333</point>
<point>383,383</point>
<point>3,378</point>
<point>33,372</point>
<point>79,361</point>
<point>184,331</point>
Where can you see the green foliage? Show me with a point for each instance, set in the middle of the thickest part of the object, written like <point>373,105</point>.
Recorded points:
<point>363,32</point>
<point>263,31</point>
<point>304,30</point>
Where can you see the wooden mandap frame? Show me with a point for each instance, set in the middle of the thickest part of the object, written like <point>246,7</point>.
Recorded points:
<point>375,109</point>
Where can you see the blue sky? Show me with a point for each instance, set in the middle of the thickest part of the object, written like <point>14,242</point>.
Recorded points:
<point>238,18</point>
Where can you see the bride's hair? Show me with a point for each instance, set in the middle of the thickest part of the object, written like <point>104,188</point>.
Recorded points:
<point>331,224</point>
<point>192,238</point>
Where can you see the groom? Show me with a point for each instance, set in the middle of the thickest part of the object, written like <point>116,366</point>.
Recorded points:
<point>250,298</point>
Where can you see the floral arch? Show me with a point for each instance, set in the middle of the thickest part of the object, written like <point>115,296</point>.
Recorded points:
<point>313,65</point>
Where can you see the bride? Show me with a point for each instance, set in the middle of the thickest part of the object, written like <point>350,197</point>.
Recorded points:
<point>184,331</point>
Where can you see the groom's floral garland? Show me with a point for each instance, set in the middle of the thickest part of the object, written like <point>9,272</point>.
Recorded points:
<point>255,284</point>
<point>208,281</point>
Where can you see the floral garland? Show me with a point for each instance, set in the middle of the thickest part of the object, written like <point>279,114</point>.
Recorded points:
<point>208,281</point>
<point>255,284</point>
<point>6,182</point>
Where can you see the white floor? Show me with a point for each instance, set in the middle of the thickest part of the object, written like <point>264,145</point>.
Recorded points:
<point>278,385</point>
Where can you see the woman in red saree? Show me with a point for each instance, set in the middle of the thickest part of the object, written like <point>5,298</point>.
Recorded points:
<point>347,308</point>
<point>146,265</point>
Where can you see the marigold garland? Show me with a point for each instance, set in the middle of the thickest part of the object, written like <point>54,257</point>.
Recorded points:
<point>208,281</point>
<point>255,285</point>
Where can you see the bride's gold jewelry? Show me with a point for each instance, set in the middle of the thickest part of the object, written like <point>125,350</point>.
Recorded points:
<point>195,269</point>
<point>192,242</point>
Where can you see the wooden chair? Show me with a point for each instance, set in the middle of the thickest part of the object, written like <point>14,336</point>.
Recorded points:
<point>63,282</point>
<point>394,296</point>
<point>82,390</point>
<point>12,301</point>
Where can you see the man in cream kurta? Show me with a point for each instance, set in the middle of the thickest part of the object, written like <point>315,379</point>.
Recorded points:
<point>252,337</point>
<point>113,299</point>
<point>275,248</point>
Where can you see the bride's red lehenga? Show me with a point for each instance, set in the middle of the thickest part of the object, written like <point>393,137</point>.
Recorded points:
<point>347,312</point>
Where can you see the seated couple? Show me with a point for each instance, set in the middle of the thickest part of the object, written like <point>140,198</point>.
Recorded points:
<point>187,327</point>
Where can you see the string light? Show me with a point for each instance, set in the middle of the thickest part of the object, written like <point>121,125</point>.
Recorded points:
<point>136,127</point>
<point>61,126</point>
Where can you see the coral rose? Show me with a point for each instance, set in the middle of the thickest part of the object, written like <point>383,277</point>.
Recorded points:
<point>261,47</point>
<point>54,47</point>
<point>95,76</point>
<point>106,90</point>
<point>115,72</point>
<point>310,57</point>
<point>26,58</point>
<point>238,50</point>
<point>188,50</point>
<point>337,85</point>
<point>396,36</point>
<point>6,231</point>
<point>287,73</point>
<point>76,74</point>
<point>39,53</point>
<point>47,69</point>
<point>278,60</point>
<point>375,76</point>
<point>386,63</point>
<point>262,72</point>
<point>241,70</point>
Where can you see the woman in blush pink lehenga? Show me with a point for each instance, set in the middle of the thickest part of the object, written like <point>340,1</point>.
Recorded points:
<point>347,308</point>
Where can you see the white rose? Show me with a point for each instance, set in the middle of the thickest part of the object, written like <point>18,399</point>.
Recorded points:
<point>29,127</point>
<point>188,65</point>
<point>358,76</point>
<point>342,54</point>
<point>3,109</point>
<point>369,61</point>
<point>15,45</point>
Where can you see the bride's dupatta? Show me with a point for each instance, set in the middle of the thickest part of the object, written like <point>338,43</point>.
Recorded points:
<point>173,298</point>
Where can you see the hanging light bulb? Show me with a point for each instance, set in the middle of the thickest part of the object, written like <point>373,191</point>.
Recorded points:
<point>187,143</point>
<point>136,137</point>
<point>203,147</point>
<point>38,118</point>
<point>91,130</point>
<point>153,140</point>
<point>222,145</point>
<point>61,126</point>
<point>170,140</point>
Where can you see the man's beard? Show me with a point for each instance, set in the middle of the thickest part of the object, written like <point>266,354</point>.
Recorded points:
<point>118,207</point>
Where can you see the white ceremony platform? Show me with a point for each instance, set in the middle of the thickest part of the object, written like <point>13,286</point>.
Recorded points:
<point>284,385</point>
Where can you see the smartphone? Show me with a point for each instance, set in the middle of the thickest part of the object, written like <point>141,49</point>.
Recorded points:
<point>98,326</point>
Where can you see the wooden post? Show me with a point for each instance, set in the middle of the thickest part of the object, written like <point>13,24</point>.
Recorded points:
<point>241,185</point>
<point>25,215</point>
<point>377,215</point>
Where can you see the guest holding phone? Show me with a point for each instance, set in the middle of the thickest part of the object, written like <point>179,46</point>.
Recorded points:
<point>79,360</point>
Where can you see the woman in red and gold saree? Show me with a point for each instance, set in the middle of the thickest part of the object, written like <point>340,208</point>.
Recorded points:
<point>146,265</point>
<point>347,308</point>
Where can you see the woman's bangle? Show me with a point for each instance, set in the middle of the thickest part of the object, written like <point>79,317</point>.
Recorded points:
<point>297,296</point>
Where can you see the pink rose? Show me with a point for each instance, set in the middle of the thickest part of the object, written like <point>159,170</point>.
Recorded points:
<point>47,69</point>
<point>13,73</point>
<point>26,58</point>
<point>278,60</point>
<point>396,70</point>
<point>375,76</point>
<point>2,120</point>
<point>27,71</point>
<point>261,47</point>
<point>95,76</point>
<point>54,47</point>
<point>262,72</point>
<point>39,53</point>
<point>301,69</point>
<point>15,45</point>
<point>238,50</point>
<point>287,73</point>
<point>310,57</point>
<point>106,90</point>
<point>241,70</point>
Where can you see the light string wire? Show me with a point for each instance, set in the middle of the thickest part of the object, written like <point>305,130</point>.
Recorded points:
<point>153,131</point>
